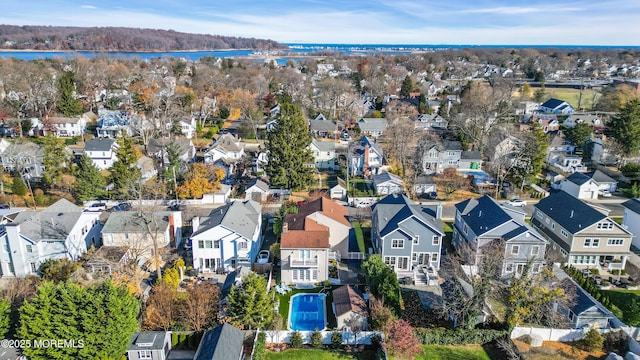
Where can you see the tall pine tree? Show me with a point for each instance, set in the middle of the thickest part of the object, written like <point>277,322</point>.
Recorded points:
<point>625,128</point>
<point>68,104</point>
<point>55,160</point>
<point>289,153</point>
<point>250,304</point>
<point>125,175</point>
<point>89,183</point>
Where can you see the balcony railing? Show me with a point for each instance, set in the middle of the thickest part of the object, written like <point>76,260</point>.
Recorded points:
<point>303,262</point>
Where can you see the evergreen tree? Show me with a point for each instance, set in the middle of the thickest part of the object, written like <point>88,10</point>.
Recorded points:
<point>579,134</point>
<point>407,87</point>
<point>250,304</point>
<point>5,311</point>
<point>625,127</point>
<point>289,153</point>
<point>18,187</point>
<point>68,104</point>
<point>89,183</point>
<point>55,160</point>
<point>103,317</point>
<point>125,175</point>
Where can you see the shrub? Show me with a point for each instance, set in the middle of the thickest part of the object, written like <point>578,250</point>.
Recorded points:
<point>442,336</point>
<point>182,340</point>
<point>593,340</point>
<point>630,168</point>
<point>174,340</point>
<point>336,339</point>
<point>258,347</point>
<point>296,339</point>
<point>316,338</point>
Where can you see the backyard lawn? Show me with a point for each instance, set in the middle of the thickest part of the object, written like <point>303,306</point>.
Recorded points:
<point>628,301</point>
<point>450,352</point>
<point>359,236</point>
<point>316,354</point>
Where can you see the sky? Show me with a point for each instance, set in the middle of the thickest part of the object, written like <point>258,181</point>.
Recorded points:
<point>468,22</point>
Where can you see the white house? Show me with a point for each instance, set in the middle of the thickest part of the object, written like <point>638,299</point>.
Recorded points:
<point>227,147</point>
<point>257,190</point>
<point>365,157</point>
<point>229,237</point>
<point>63,230</point>
<point>556,106</point>
<point>387,183</point>
<point>339,190</point>
<point>580,186</point>
<point>631,220</point>
<point>324,154</point>
<point>188,127</point>
<point>67,126</point>
<point>102,152</point>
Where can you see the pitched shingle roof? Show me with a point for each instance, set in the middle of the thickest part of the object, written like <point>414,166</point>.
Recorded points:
<point>328,208</point>
<point>52,223</point>
<point>99,144</point>
<point>578,178</point>
<point>600,177</point>
<point>633,205</point>
<point>372,124</point>
<point>483,214</point>
<point>391,210</point>
<point>386,176</point>
<point>346,299</point>
<point>569,212</point>
<point>136,222</point>
<point>223,342</point>
<point>552,103</point>
<point>240,216</point>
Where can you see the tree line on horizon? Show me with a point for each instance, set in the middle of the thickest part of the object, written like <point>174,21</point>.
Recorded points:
<point>120,39</point>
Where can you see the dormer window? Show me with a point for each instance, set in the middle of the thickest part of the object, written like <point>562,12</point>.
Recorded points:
<point>605,225</point>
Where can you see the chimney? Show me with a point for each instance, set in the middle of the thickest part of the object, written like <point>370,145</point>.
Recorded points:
<point>439,211</point>
<point>366,158</point>
<point>195,223</point>
<point>285,227</point>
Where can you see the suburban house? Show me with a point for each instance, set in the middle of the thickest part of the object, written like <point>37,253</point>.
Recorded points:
<point>565,161</point>
<point>584,311</point>
<point>338,190</point>
<point>373,127</point>
<point>63,230</point>
<point>147,167</point>
<point>322,127</point>
<point>580,186</point>
<point>424,184</point>
<point>257,190</point>
<point>188,127</point>
<point>350,308</point>
<point>111,123</point>
<point>106,260</point>
<point>631,219</point>
<point>407,235</point>
<point>226,146</point>
<point>587,237</point>
<point>604,181</point>
<point>304,251</point>
<point>143,231</point>
<point>149,345</point>
<point>324,154</point>
<point>102,152</point>
<point>365,158</point>
<point>432,123</point>
<point>332,215</point>
<point>158,148</point>
<point>66,126</point>
<point>602,153</point>
<point>482,223</point>
<point>23,157</point>
<point>556,106</point>
<point>592,120</point>
<point>223,342</point>
<point>229,237</point>
<point>548,122</point>
<point>387,183</point>
<point>439,154</point>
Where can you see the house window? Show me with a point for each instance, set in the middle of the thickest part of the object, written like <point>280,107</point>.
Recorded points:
<point>571,315</point>
<point>509,267</point>
<point>414,257</point>
<point>144,354</point>
<point>452,162</point>
<point>294,275</point>
<point>243,245</point>
<point>547,221</point>
<point>536,268</point>
<point>416,240</point>
<point>587,242</point>
<point>33,268</point>
<point>435,240</point>
<point>595,243</point>
<point>390,261</point>
<point>208,244</point>
<point>434,257</point>
<point>553,226</point>
<point>200,244</point>
<point>11,269</point>
<point>564,233</point>
<point>29,248</point>
<point>216,244</point>
<point>605,226</point>
<point>539,214</point>
<point>451,153</point>
<point>465,229</point>
<point>535,249</point>
<point>515,249</point>
<point>397,243</point>
<point>615,242</point>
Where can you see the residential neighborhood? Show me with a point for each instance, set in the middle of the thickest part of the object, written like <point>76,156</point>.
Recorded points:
<point>366,206</point>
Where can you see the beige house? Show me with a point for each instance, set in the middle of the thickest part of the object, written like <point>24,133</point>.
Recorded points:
<point>586,236</point>
<point>350,308</point>
<point>335,217</point>
<point>304,252</point>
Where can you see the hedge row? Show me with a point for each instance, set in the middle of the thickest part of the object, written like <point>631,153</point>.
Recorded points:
<point>185,341</point>
<point>587,285</point>
<point>441,336</point>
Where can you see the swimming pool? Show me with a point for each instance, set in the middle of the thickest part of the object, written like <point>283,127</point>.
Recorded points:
<point>307,312</point>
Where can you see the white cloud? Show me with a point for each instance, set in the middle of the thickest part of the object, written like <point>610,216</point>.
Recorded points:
<point>515,10</point>
<point>88,7</point>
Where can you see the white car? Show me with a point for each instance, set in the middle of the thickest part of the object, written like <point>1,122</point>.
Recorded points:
<point>605,193</point>
<point>516,203</point>
<point>263,257</point>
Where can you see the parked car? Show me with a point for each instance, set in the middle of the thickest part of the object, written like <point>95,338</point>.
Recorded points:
<point>122,207</point>
<point>516,203</point>
<point>263,257</point>
<point>100,206</point>
<point>604,193</point>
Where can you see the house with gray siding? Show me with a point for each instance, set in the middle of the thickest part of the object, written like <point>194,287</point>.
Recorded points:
<point>407,235</point>
<point>583,234</point>
<point>149,345</point>
<point>373,127</point>
<point>223,342</point>
<point>482,223</point>
<point>365,158</point>
<point>584,311</point>
<point>439,154</point>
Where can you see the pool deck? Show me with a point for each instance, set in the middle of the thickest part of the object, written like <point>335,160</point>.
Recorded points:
<point>324,309</point>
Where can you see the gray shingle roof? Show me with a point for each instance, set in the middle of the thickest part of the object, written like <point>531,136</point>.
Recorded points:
<point>99,144</point>
<point>147,340</point>
<point>600,177</point>
<point>386,176</point>
<point>223,342</point>
<point>578,178</point>
<point>52,223</point>
<point>372,124</point>
<point>569,212</point>
<point>483,214</point>
<point>633,205</point>
<point>135,222</point>
<point>471,155</point>
<point>239,216</point>
<point>391,210</point>
<point>322,126</point>
<point>227,143</point>
<point>324,145</point>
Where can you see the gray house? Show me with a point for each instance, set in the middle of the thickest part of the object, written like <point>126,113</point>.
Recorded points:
<point>584,311</point>
<point>429,122</point>
<point>387,183</point>
<point>223,342</point>
<point>407,235</point>
<point>482,222</point>
<point>439,154</point>
<point>153,345</point>
<point>373,127</point>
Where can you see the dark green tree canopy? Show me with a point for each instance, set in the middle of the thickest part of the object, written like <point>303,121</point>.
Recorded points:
<point>407,87</point>
<point>125,175</point>
<point>289,153</point>
<point>250,304</point>
<point>89,183</point>
<point>625,127</point>
<point>55,160</point>
<point>579,134</point>
<point>68,104</point>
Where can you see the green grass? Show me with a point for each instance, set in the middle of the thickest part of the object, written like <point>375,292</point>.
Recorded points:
<point>360,186</point>
<point>359,236</point>
<point>572,96</point>
<point>623,300</point>
<point>446,352</point>
<point>448,236</point>
<point>315,354</point>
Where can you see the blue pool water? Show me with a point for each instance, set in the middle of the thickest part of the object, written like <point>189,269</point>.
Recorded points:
<point>307,312</point>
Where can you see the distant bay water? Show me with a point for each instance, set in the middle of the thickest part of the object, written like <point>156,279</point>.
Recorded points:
<point>296,51</point>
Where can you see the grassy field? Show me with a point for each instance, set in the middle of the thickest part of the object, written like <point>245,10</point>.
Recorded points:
<point>460,352</point>
<point>316,354</point>
<point>572,96</point>
<point>623,299</point>
<point>359,236</point>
